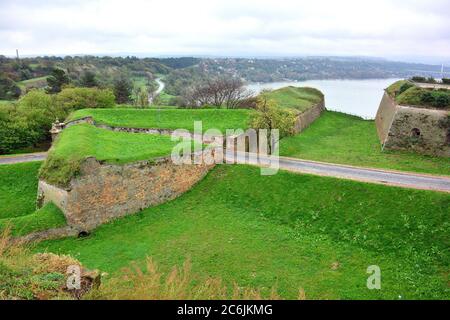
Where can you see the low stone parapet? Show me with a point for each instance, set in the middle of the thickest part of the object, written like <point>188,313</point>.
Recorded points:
<point>307,117</point>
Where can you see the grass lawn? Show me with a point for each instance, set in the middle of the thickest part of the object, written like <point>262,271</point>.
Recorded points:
<point>78,142</point>
<point>18,189</point>
<point>299,98</point>
<point>341,138</point>
<point>290,231</point>
<point>221,119</point>
<point>47,217</point>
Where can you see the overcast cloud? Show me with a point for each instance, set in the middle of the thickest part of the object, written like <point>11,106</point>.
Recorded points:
<point>386,28</point>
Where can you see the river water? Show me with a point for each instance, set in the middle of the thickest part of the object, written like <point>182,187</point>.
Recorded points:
<point>358,97</point>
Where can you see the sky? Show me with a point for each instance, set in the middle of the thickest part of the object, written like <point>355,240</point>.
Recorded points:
<point>395,29</point>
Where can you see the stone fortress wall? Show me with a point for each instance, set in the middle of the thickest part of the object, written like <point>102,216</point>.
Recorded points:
<point>102,192</point>
<point>307,117</point>
<point>425,131</point>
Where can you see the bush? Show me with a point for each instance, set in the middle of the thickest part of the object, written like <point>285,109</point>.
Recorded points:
<point>446,80</point>
<point>8,89</point>
<point>270,116</point>
<point>427,97</point>
<point>441,99</point>
<point>404,87</point>
<point>15,133</point>
<point>72,99</point>
<point>418,79</point>
<point>29,122</point>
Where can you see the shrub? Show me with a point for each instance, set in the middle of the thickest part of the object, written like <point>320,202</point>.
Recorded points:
<point>8,89</point>
<point>405,86</point>
<point>418,79</point>
<point>71,99</point>
<point>441,99</point>
<point>57,79</point>
<point>123,90</point>
<point>446,80</point>
<point>29,122</point>
<point>426,97</point>
<point>15,133</point>
<point>269,116</point>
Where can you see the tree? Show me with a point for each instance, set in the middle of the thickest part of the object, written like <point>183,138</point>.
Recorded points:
<point>221,92</point>
<point>123,90</point>
<point>269,116</point>
<point>8,89</point>
<point>70,99</point>
<point>88,79</point>
<point>57,79</point>
<point>142,97</point>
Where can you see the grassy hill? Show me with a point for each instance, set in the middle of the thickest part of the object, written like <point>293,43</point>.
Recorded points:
<point>221,119</point>
<point>298,98</point>
<point>78,142</point>
<point>289,231</point>
<point>342,138</point>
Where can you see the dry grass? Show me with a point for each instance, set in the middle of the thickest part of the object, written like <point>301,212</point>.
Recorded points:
<point>179,284</point>
<point>27,276</point>
<point>24,275</point>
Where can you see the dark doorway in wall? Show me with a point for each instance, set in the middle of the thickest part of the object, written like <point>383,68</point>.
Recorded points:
<point>415,133</point>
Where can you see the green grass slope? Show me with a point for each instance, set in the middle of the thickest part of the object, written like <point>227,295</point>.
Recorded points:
<point>289,231</point>
<point>18,189</point>
<point>299,98</point>
<point>345,139</point>
<point>47,217</point>
<point>81,141</point>
<point>221,119</point>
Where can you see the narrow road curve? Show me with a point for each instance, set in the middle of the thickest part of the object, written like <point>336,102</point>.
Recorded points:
<point>379,176</point>
<point>28,157</point>
<point>161,86</point>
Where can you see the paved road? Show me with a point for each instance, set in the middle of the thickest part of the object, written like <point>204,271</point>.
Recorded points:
<point>39,156</point>
<point>395,178</point>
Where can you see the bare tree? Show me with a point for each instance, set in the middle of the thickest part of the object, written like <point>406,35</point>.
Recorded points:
<point>221,92</point>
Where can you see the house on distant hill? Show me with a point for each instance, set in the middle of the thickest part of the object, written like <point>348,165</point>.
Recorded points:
<point>415,117</point>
